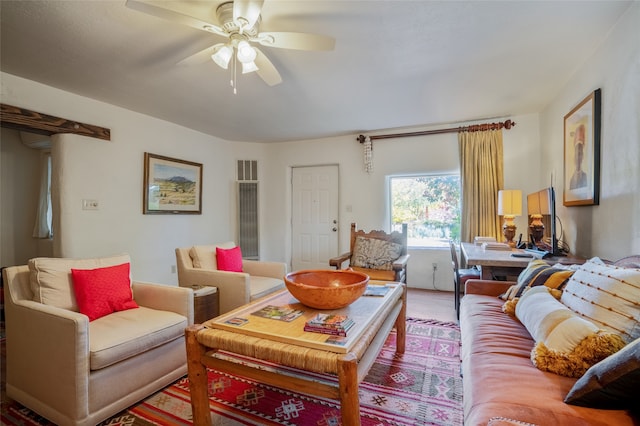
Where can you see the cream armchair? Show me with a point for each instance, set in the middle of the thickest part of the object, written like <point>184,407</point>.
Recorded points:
<point>197,266</point>
<point>79,372</point>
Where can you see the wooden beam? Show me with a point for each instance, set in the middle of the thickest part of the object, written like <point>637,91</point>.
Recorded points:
<point>35,122</point>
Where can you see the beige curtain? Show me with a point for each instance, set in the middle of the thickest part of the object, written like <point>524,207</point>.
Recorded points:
<point>481,176</point>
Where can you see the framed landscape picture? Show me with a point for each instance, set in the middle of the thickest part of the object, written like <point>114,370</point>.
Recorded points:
<point>171,186</point>
<point>582,153</point>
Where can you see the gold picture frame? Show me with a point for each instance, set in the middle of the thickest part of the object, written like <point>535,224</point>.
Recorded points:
<point>582,153</point>
<point>171,186</point>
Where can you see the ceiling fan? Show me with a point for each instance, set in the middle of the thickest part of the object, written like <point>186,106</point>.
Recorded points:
<point>239,22</point>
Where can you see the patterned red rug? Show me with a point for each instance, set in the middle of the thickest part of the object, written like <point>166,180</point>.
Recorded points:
<point>421,387</point>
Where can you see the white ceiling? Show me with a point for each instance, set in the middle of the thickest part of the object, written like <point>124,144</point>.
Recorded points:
<point>396,63</point>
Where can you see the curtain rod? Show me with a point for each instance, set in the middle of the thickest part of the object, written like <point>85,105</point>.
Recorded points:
<point>473,128</point>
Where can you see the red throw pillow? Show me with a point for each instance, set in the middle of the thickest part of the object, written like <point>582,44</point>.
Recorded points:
<point>229,259</point>
<point>102,291</point>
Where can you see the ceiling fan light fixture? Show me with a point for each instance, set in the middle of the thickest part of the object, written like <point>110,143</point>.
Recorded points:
<point>246,53</point>
<point>248,67</point>
<point>222,55</point>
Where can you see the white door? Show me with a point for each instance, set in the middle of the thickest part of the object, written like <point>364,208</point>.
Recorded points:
<point>314,217</point>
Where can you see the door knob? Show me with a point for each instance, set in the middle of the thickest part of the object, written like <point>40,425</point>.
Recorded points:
<point>334,229</point>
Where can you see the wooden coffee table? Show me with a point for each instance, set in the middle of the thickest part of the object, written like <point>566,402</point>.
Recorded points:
<point>287,344</point>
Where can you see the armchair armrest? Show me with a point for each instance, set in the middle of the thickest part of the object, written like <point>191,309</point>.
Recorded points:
<point>339,260</point>
<point>233,287</point>
<point>400,263</point>
<point>49,351</point>
<point>164,298</point>
<point>265,269</point>
<point>487,287</point>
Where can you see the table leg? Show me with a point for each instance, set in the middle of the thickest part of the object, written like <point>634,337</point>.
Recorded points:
<point>401,323</point>
<point>197,373</point>
<point>348,388</point>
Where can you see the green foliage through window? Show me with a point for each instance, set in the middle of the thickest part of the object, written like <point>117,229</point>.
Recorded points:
<point>429,205</point>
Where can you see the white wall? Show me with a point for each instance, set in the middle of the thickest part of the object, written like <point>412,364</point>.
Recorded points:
<point>363,196</point>
<point>611,229</point>
<point>111,172</point>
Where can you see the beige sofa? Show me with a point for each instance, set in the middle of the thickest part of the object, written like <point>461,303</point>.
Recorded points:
<point>197,266</point>
<point>79,372</point>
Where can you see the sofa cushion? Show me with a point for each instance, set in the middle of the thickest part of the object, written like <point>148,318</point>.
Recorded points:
<point>102,291</point>
<point>262,286</point>
<point>607,296</point>
<point>374,253</point>
<point>613,383</point>
<point>204,257</point>
<point>122,335</point>
<point>229,259</point>
<point>537,273</point>
<point>51,280</point>
<point>566,344</point>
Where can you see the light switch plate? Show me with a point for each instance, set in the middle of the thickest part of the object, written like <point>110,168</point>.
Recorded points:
<point>90,205</point>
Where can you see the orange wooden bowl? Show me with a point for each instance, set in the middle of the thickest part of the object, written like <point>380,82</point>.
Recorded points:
<point>325,288</point>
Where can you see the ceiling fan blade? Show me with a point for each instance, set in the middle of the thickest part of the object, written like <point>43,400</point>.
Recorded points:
<point>247,11</point>
<point>300,41</point>
<point>201,57</point>
<point>266,70</point>
<point>170,15</point>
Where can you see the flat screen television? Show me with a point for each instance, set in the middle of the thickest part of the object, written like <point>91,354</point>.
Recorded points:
<point>543,202</point>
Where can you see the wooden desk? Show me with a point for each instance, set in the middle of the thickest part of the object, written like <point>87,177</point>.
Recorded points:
<point>494,263</point>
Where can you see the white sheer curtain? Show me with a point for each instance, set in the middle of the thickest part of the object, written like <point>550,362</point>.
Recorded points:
<point>42,228</point>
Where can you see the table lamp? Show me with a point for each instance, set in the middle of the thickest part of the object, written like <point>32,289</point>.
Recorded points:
<point>537,205</point>
<point>509,206</point>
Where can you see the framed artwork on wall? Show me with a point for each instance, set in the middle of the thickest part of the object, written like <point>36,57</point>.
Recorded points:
<point>582,153</point>
<point>171,186</point>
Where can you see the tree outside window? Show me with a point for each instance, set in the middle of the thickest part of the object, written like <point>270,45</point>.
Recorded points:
<point>429,205</point>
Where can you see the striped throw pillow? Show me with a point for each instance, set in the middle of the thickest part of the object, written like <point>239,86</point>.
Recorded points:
<point>606,295</point>
<point>539,272</point>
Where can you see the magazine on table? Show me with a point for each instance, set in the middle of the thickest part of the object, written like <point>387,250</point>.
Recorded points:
<point>376,290</point>
<point>280,313</point>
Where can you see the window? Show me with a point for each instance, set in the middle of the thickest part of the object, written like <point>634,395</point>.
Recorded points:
<point>429,205</point>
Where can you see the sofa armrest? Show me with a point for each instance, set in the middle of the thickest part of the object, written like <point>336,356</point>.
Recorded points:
<point>48,351</point>
<point>487,287</point>
<point>265,269</point>
<point>164,298</point>
<point>339,260</point>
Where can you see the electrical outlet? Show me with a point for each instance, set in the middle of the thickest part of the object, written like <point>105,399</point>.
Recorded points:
<point>435,266</point>
<point>173,269</point>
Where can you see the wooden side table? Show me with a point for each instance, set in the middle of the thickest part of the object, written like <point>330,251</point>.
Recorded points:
<point>205,303</point>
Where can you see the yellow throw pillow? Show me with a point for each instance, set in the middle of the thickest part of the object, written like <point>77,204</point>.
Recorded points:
<point>566,343</point>
<point>537,273</point>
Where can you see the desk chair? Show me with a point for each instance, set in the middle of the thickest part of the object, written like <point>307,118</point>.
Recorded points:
<point>460,277</point>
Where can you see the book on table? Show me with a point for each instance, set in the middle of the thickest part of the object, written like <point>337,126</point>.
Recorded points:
<point>336,325</point>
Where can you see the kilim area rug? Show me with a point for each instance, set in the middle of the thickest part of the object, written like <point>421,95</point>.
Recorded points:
<point>420,387</point>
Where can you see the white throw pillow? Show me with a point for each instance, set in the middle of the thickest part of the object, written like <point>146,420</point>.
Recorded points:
<point>606,295</point>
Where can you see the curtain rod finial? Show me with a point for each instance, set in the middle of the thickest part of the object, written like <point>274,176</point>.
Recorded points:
<point>509,124</point>
<point>361,138</point>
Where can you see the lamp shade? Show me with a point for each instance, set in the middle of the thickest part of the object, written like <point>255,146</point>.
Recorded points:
<point>510,202</point>
<point>538,203</point>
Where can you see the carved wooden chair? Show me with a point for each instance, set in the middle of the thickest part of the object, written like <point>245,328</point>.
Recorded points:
<point>380,255</point>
